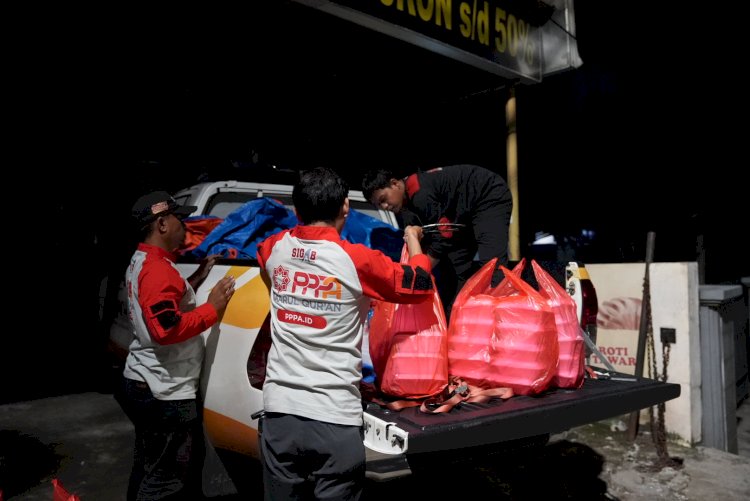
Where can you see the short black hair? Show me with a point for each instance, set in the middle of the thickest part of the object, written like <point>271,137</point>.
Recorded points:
<point>319,195</point>
<point>376,179</point>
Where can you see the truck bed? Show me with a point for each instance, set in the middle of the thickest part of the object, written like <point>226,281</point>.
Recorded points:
<point>519,417</point>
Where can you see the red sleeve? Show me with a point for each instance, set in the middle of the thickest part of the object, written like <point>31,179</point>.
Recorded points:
<point>385,280</point>
<point>160,290</point>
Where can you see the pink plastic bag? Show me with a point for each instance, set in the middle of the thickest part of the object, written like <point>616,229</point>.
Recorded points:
<point>502,337</point>
<point>570,368</point>
<point>408,346</point>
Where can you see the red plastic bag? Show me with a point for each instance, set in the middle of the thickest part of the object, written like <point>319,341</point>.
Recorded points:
<point>502,337</point>
<point>408,346</point>
<point>59,493</point>
<point>570,368</point>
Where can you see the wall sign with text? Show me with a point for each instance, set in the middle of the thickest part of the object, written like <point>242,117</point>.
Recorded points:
<point>500,36</point>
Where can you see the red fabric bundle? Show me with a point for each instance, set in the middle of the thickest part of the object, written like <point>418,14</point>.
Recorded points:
<point>196,230</point>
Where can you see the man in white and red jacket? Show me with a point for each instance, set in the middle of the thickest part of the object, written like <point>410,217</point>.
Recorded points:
<point>163,366</point>
<point>321,287</point>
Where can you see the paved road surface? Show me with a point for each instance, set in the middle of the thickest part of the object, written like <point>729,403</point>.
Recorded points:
<point>86,441</point>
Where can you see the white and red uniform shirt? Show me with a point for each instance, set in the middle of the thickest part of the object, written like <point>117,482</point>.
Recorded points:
<point>166,351</point>
<point>321,287</point>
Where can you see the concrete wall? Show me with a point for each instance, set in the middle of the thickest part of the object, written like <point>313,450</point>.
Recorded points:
<point>674,305</point>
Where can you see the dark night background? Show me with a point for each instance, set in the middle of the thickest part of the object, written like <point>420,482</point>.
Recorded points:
<point>113,103</point>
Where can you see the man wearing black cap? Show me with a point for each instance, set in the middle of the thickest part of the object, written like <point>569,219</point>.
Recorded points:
<point>166,353</point>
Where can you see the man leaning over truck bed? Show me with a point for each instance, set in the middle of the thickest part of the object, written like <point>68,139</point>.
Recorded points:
<point>321,285</point>
<point>469,205</point>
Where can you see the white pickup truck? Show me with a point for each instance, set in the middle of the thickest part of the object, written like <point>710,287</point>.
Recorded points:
<point>236,348</point>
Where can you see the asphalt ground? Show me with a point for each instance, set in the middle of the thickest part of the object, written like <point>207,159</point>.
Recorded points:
<point>85,441</point>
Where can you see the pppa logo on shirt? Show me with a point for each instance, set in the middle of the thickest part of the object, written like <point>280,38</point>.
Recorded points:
<point>280,278</point>
<point>318,286</point>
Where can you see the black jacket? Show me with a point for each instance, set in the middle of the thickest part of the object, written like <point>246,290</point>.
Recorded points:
<point>455,194</point>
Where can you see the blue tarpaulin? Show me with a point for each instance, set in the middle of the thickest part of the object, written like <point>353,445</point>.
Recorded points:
<point>363,229</point>
<point>242,230</point>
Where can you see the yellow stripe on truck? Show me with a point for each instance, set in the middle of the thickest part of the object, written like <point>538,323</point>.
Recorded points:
<point>226,433</point>
<point>250,304</point>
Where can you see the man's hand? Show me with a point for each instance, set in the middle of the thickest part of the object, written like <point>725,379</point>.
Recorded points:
<point>197,278</point>
<point>221,293</point>
<point>415,231</point>
<point>412,236</point>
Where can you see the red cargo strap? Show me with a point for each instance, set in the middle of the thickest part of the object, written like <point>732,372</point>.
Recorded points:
<point>456,391</point>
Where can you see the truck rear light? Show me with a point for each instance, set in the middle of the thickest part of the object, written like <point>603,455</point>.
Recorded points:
<point>589,304</point>
<point>589,311</point>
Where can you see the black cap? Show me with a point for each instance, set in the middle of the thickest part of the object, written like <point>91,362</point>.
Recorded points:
<point>159,203</point>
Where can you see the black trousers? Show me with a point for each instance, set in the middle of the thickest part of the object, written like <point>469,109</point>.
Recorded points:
<point>308,459</point>
<point>490,228</point>
<point>169,449</point>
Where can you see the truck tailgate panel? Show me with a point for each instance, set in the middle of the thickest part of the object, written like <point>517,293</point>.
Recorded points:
<point>522,416</point>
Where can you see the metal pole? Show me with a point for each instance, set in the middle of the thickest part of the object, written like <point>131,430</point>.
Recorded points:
<point>643,328</point>
<point>511,152</point>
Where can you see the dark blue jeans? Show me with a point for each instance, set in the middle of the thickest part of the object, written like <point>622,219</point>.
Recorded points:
<point>168,456</point>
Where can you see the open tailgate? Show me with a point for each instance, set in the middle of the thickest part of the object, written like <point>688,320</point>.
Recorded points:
<point>475,424</point>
